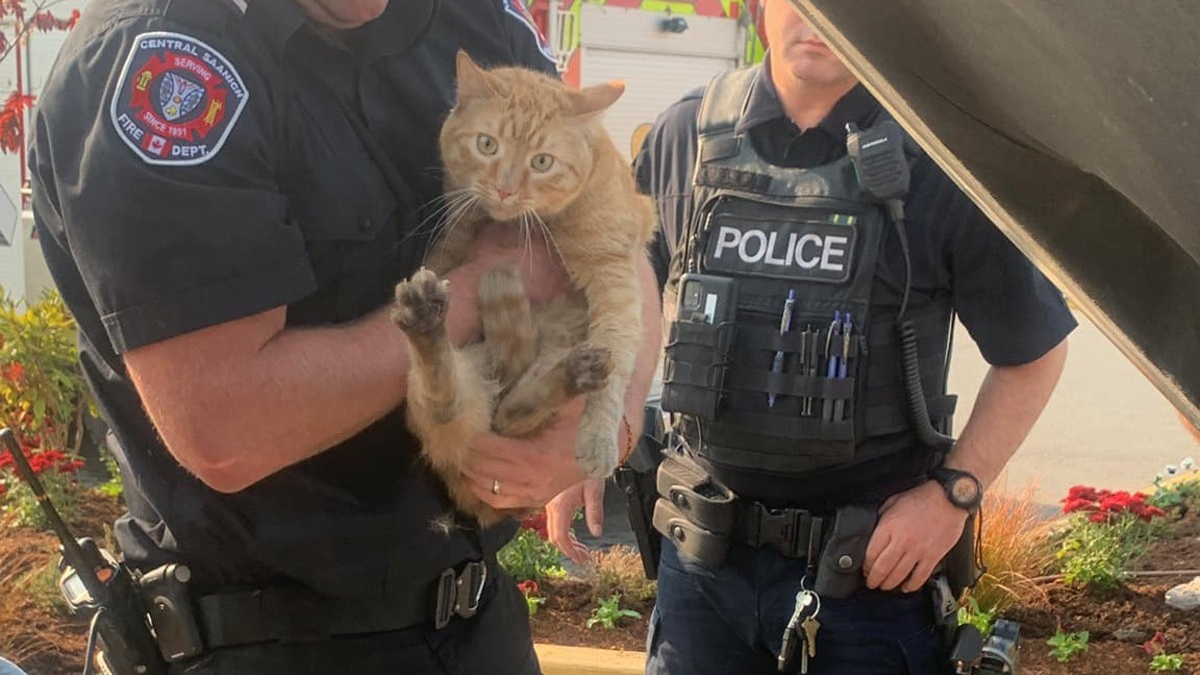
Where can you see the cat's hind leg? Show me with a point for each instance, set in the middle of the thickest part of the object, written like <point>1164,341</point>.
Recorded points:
<point>549,384</point>
<point>507,319</point>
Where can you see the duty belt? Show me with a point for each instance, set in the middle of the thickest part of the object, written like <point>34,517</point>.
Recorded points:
<point>702,517</point>
<point>290,614</point>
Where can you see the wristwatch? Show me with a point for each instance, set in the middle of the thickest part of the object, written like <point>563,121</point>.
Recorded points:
<point>962,488</point>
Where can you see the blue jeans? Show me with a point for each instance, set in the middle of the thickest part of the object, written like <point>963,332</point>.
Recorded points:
<point>730,621</point>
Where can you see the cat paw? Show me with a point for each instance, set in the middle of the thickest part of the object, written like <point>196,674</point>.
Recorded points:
<point>515,418</point>
<point>587,369</point>
<point>596,454</point>
<point>421,303</point>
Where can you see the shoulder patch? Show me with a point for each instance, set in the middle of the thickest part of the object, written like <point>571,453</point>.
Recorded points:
<point>176,100</point>
<point>519,11</point>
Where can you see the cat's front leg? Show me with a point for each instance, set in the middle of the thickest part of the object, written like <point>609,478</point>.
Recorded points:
<point>420,311</point>
<point>614,323</point>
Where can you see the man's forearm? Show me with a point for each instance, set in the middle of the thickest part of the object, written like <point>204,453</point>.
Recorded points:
<point>1009,403</point>
<point>238,412</point>
<point>648,355</point>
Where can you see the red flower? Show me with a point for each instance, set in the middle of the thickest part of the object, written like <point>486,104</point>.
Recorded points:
<point>1071,505</point>
<point>1083,492</point>
<point>537,523</point>
<point>528,587</point>
<point>1156,645</point>
<point>13,373</point>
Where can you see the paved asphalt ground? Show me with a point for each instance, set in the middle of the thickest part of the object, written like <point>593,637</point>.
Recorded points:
<point>1105,426</point>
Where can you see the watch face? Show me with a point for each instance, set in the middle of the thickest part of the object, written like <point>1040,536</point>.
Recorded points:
<point>964,490</point>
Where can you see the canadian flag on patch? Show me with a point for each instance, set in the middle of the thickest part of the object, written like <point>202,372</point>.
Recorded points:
<point>157,145</point>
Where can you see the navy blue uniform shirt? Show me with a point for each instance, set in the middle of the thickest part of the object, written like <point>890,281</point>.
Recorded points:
<point>1011,310</point>
<point>194,164</point>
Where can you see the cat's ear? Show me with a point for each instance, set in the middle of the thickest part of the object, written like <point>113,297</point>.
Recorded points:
<point>597,98</point>
<point>472,80</point>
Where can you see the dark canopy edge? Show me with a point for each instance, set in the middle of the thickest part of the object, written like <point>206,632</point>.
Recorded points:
<point>1075,227</point>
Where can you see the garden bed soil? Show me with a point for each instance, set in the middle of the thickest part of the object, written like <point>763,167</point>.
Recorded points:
<point>39,634</point>
<point>56,642</point>
<point>562,620</point>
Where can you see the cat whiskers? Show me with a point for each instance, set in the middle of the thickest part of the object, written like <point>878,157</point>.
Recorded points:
<point>454,204</point>
<point>545,229</point>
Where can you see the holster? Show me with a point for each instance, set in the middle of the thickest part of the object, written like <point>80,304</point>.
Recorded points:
<point>839,569</point>
<point>959,565</point>
<point>637,480</point>
<point>696,513</point>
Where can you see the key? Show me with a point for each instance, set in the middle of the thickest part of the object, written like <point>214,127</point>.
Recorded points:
<point>792,635</point>
<point>810,626</point>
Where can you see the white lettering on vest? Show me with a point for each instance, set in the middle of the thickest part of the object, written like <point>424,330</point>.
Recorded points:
<point>835,247</point>
<point>756,235</point>
<point>808,251</point>
<point>727,237</point>
<point>808,263</point>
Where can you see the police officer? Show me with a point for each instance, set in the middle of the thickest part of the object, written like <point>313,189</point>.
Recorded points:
<point>777,207</point>
<point>226,192</point>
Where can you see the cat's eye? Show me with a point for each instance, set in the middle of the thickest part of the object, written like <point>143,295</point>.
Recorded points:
<point>486,144</point>
<point>542,162</point>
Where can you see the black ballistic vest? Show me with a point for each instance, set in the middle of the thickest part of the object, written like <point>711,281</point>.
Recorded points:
<point>774,231</point>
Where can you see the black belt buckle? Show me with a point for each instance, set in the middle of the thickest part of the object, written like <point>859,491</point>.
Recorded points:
<point>784,529</point>
<point>458,593</point>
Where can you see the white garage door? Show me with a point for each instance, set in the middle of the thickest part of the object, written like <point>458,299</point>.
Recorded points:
<point>652,83</point>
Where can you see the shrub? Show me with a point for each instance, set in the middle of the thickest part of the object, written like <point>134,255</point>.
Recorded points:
<point>529,556</point>
<point>1016,546</point>
<point>1106,531</point>
<point>42,394</point>
<point>619,570</point>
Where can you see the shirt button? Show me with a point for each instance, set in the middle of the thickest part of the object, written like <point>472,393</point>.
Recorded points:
<point>365,224</point>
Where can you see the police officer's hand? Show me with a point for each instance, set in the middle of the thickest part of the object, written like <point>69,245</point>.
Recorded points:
<point>916,530</point>
<point>560,513</point>
<point>541,267</point>
<point>529,471</point>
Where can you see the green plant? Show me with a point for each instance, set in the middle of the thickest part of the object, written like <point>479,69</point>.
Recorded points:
<point>620,570</point>
<point>56,472</point>
<point>41,585</point>
<point>1067,646</point>
<point>42,394</point>
<point>1105,532</point>
<point>609,613</point>
<point>529,557</point>
<point>113,486</point>
<point>1165,662</point>
<point>971,614</point>
<point>533,601</point>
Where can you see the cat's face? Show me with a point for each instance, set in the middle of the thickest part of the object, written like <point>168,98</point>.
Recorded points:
<point>520,142</point>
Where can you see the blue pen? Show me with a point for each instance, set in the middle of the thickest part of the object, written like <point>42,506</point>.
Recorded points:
<point>785,324</point>
<point>847,326</point>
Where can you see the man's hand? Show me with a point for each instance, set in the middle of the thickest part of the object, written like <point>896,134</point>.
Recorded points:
<point>541,267</point>
<point>916,530</point>
<point>560,513</point>
<point>531,470</point>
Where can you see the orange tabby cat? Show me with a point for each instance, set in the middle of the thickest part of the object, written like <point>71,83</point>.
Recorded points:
<point>521,147</point>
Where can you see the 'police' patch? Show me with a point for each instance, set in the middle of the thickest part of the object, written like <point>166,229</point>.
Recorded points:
<point>518,10</point>
<point>782,249</point>
<point>177,99</point>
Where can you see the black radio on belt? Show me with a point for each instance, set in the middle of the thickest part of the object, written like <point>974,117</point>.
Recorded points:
<point>94,582</point>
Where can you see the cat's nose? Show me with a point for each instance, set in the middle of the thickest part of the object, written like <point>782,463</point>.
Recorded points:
<point>504,193</point>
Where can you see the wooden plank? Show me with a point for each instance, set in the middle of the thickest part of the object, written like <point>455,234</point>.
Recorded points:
<point>558,660</point>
